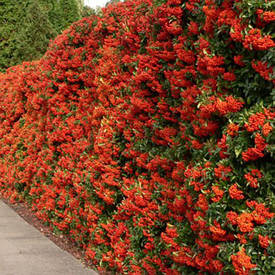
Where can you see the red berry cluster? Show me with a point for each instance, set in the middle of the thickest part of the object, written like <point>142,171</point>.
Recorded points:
<point>145,134</point>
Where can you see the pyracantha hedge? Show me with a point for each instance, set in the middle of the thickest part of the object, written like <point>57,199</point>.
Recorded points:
<point>146,135</point>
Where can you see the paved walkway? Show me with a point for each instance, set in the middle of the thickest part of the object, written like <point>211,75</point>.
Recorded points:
<point>25,251</point>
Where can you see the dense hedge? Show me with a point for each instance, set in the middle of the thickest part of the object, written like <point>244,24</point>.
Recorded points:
<point>146,136</point>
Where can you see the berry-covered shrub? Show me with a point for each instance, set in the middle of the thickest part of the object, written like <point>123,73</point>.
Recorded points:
<point>146,135</point>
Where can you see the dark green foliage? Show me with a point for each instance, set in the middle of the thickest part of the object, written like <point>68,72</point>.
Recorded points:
<point>52,7</point>
<point>34,34</point>
<point>8,21</point>
<point>87,11</point>
<point>69,11</point>
<point>27,26</point>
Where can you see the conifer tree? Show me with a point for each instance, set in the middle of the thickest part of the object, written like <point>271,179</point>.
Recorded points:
<point>8,27</point>
<point>87,11</point>
<point>70,12</point>
<point>53,10</point>
<point>34,34</point>
<point>26,26</point>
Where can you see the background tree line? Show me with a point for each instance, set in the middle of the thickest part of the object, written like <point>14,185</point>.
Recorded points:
<point>26,26</point>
